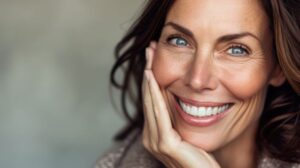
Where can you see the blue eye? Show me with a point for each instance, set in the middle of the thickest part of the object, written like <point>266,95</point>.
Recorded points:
<point>237,51</point>
<point>178,41</point>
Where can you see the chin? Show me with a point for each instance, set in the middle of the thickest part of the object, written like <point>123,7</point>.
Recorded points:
<point>209,143</point>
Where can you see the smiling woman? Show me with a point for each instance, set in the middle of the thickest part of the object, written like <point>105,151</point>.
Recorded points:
<point>218,85</point>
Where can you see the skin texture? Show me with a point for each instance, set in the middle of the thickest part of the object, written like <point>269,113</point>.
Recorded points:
<point>198,66</point>
<point>159,137</point>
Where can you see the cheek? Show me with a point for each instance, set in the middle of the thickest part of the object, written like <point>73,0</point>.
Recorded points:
<point>246,86</point>
<point>246,82</point>
<point>167,67</point>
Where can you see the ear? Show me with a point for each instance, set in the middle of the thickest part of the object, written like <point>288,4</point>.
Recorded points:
<point>277,78</point>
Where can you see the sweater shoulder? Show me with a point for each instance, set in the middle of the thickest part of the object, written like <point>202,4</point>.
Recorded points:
<point>129,153</point>
<point>113,156</point>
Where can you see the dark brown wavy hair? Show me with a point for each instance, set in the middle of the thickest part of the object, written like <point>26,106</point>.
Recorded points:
<point>278,133</point>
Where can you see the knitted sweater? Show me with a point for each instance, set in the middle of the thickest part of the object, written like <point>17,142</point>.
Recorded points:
<point>130,153</point>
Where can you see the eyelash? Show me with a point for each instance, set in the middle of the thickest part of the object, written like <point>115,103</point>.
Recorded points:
<point>243,47</point>
<point>178,36</point>
<point>174,36</point>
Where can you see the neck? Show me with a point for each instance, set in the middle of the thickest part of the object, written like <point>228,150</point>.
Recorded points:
<point>239,153</point>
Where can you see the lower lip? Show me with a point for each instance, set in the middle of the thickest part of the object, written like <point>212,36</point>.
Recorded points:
<point>200,121</point>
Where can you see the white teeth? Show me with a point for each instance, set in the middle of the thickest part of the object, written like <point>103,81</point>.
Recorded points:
<point>209,111</point>
<point>215,110</point>
<point>194,110</point>
<point>202,111</point>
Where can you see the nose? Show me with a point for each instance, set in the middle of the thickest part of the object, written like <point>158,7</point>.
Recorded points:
<point>201,74</point>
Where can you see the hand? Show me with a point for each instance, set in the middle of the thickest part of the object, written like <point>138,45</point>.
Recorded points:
<point>159,137</point>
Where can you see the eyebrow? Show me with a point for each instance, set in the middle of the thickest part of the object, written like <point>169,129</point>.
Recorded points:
<point>180,28</point>
<point>224,38</point>
<point>230,37</point>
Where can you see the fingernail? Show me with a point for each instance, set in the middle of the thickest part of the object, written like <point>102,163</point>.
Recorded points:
<point>153,44</point>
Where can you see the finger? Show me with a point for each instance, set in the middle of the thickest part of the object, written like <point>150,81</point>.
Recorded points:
<point>160,109</point>
<point>150,52</point>
<point>148,108</point>
<point>149,112</point>
<point>145,134</point>
<point>153,45</point>
<point>149,58</point>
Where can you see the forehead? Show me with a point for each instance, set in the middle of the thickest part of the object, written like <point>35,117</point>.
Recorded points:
<point>220,16</point>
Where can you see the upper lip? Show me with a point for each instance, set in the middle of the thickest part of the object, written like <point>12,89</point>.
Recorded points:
<point>201,104</point>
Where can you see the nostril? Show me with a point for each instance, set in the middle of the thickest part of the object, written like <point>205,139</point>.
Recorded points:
<point>201,79</point>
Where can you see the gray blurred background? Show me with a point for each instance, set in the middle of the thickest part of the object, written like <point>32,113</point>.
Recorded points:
<point>55,110</point>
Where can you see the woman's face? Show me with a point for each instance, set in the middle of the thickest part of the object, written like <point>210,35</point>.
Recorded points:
<point>213,63</point>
